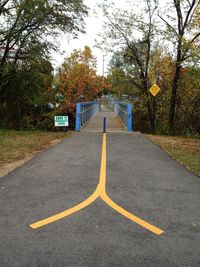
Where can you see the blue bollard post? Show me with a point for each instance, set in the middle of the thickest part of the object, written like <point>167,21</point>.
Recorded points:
<point>104,124</point>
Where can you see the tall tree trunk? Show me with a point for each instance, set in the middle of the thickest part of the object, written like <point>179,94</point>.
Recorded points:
<point>173,99</point>
<point>153,114</point>
<point>150,110</point>
<point>152,118</point>
<point>175,86</point>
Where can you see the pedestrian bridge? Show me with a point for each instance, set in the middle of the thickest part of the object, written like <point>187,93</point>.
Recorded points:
<point>95,117</point>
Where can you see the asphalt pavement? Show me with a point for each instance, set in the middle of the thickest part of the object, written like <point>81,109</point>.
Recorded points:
<point>141,178</point>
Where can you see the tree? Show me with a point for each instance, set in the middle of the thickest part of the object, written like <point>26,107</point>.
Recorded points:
<point>28,30</point>
<point>79,81</point>
<point>25,24</point>
<point>120,74</point>
<point>188,101</point>
<point>183,32</point>
<point>26,94</point>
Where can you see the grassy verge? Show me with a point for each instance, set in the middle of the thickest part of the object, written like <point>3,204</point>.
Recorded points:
<point>15,145</point>
<point>184,150</point>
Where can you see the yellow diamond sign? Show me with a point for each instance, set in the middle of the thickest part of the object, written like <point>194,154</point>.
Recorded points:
<point>154,90</point>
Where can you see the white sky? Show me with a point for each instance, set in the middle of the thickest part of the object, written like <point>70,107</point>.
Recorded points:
<point>93,26</point>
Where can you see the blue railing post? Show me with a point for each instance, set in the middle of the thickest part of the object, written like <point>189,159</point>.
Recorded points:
<point>78,119</point>
<point>124,111</point>
<point>129,118</point>
<point>84,111</point>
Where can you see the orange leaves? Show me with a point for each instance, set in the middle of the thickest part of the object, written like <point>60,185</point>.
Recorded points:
<point>79,81</point>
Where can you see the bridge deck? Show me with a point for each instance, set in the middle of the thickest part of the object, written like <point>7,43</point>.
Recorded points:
<point>114,123</point>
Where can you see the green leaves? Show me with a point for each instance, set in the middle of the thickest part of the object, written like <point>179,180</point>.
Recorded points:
<point>28,30</point>
<point>26,21</point>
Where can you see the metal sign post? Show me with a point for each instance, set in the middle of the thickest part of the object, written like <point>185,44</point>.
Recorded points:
<point>154,90</point>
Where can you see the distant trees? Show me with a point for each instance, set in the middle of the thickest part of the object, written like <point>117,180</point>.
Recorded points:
<point>78,79</point>
<point>120,77</point>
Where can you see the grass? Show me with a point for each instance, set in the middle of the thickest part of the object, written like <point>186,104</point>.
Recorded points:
<point>184,150</point>
<point>15,145</point>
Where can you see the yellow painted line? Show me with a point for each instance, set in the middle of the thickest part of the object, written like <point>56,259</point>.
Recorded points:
<point>99,192</point>
<point>112,204</point>
<point>130,216</point>
<point>83,204</point>
<point>68,212</point>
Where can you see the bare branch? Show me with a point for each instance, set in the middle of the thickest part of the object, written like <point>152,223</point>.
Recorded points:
<point>192,14</point>
<point>3,5</point>
<point>137,84</point>
<point>170,26</point>
<point>189,3</point>
<point>184,57</point>
<point>192,5</point>
<point>132,48</point>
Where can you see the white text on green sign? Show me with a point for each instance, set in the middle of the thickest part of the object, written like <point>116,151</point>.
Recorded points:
<point>61,121</point>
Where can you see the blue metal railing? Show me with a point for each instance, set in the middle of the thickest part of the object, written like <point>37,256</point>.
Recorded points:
<point>124,111</point>
<point>84,111</point>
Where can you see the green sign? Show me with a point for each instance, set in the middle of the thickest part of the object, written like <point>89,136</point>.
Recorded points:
<point>61,121</point>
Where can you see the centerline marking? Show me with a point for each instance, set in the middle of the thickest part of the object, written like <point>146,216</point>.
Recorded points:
<point>99,192</point>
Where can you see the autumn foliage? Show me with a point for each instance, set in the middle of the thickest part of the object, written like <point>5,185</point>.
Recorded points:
<point>79,81</point>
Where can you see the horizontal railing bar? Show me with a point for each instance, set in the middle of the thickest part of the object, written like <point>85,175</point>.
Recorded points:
<point>85,110</point>
<point>123,111</point>
<point>122,104</point>
<point>88,103</point>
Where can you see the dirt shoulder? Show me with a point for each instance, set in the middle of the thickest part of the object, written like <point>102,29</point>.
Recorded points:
<point>18,147</point>
<point>184,150</point>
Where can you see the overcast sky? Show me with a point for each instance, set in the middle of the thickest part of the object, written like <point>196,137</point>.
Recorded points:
<point>94,24</point>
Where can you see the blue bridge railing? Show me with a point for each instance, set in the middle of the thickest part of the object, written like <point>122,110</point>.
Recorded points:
<point>84,111</point>
<point>124,111</point>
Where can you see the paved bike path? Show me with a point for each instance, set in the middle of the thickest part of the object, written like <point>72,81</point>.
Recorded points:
<point>141,178</point>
